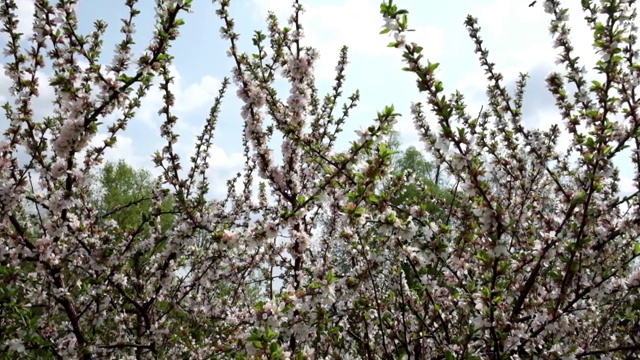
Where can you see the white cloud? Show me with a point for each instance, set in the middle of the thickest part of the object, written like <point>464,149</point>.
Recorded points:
<point>220,160</point>
<point>523,32</point>
<point>41,105</point>
<point>282,8</point>
<point>26,9</point>
<point>222,164</point>
<point>496,17</point>
<point>627,186</point>
<point>123,150</point>
<point>199,94</point>
<point>187,97</point>
<point>24,13</point>
<point>354,23</point>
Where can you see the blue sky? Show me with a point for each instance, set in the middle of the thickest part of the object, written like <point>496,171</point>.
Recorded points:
<point>515,35</point>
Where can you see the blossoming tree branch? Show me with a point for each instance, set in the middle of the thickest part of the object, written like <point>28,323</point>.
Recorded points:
<point>529,253</point>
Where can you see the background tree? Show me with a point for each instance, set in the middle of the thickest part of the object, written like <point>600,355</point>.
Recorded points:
<point>124,195</point>
<point>121,194</point>
<point>413,181</point>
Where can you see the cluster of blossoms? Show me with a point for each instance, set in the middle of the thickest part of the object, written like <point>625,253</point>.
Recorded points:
<point>531,255</point>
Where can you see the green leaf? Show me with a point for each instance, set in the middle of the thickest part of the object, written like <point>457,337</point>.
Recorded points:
<point>448,355</point>
<point>555,276</point>
<point>331,278</point>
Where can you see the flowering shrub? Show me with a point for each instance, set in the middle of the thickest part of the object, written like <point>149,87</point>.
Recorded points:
<point>532,260</point>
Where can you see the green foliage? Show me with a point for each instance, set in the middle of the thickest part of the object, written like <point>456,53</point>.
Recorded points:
<point>125,196</point>
<point>17,315</point>
<point>426,191</point>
